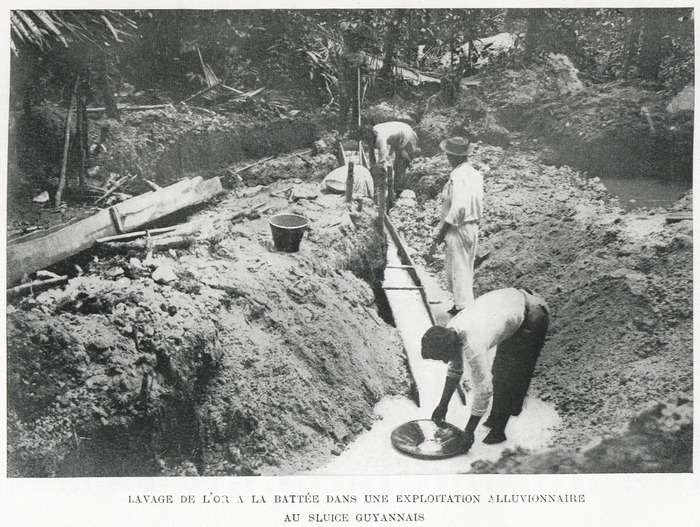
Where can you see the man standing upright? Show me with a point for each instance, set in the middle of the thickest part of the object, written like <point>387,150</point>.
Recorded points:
<point>462,198</point>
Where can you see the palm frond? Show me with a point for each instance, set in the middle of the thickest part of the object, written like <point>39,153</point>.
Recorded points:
<point>111,28</point>
<point>49,23</point>
<point>36,35</point>
<point>18,27</point>
<point>40,28</point>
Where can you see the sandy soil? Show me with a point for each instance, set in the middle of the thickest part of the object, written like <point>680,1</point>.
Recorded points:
<point>215,354</point>
<point>619,285</point>
<point>254,356</point>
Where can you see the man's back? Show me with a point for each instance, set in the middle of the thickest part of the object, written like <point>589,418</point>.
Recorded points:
<point>395,133</point>
<point>492,318</point>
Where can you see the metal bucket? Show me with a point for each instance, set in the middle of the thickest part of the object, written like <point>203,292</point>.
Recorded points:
<point>287,231</point>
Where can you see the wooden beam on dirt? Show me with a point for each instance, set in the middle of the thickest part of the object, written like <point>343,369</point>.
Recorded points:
<point>151,206</point>
<point>37,251</point>
<point>258,162</point>
<point>157,244</point>
<point>137,234</point>
<point>36,285</point>
<point>675,218</point>
<point>131,108</point>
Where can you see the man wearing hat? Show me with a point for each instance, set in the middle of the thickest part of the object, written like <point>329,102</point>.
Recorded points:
<point>462,198</point>
<point>513,320</point>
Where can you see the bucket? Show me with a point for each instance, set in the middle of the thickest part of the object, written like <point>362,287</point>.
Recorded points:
<point>287,231</point>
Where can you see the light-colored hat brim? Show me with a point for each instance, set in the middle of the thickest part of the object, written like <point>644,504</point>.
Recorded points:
<point>445,148</point>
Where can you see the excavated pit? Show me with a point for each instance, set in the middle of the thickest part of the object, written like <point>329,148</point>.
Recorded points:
<point>221,356</point>
<point>246,361</point>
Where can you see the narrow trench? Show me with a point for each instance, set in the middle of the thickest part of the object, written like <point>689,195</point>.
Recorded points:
<point>382,303</point>
<point>136,450</point>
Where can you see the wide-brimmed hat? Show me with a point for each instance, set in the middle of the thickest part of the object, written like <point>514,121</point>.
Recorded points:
<point>457,146</point>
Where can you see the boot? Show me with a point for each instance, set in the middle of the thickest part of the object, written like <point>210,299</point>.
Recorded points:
<point>498,430</point>
<point>469,431</point>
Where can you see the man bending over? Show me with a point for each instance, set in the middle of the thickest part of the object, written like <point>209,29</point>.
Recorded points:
<point>513,320</point>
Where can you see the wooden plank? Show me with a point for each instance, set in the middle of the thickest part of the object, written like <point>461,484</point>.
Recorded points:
<point>38,252</point>
<point>148,207</point>
<point>35,286</point>
<point>412,319</point>
<point>135,234</point>
<point>131,108</point>
<point>680,216</point>
<point>406,259</point>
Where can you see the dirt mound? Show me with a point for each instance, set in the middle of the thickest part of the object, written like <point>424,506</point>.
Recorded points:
<point>628,126</point>
<point>659,439</point>
<point>619,284</point>
<point>396,110</point>
<point>444,118</point>
<point>224,357</point>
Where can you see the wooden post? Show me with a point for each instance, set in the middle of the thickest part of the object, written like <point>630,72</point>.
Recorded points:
<point>359,99</point>
<point>350,182</point>
<point>379,175</point>
<point>66,144</point>
<point>390,188</point>
<point>35,286</point>
<point>340,154</point>
<point>81,132</point>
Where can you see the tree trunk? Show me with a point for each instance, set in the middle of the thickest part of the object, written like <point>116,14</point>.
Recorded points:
<point>111,110</point>
<point>632,41</point>
<point>391,43</point>
<point>652,50</point>
<point>66,144</point>
<point>535,26</point>
<point>81,134</point>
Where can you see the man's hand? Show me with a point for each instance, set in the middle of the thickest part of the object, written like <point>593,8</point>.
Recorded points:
<point>439,415</point>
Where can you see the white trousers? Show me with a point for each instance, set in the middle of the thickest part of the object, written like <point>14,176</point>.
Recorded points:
<point>460,250</point>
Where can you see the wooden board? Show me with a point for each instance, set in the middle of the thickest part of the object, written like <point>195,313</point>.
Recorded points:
<point>680,216</point>
<point>30,254</point>
<point>41,252</point>
<point>148,207</point>
<point>412,316</point>
<point>412,319</point>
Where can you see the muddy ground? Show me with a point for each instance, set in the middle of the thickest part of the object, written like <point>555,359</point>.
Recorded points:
<point>209,352</point>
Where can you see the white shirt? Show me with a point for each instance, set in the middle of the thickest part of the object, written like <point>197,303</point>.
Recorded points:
<point>394,134</point>
<point>490,320</point>
<point>463,196</point>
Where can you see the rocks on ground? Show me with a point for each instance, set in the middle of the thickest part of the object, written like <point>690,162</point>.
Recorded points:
<point>226,357</point>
